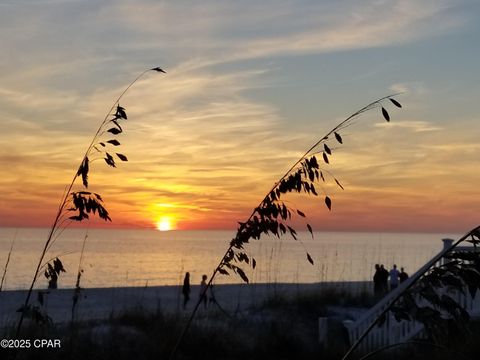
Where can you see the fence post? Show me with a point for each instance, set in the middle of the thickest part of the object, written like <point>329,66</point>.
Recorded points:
<point>447,243</point>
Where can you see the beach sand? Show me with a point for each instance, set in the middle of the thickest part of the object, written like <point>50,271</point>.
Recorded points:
<point>101,303</point>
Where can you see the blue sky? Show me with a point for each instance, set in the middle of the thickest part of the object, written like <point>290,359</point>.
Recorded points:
<point>249,85</point>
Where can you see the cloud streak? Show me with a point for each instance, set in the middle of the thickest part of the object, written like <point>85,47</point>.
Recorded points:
<point>208,139</point>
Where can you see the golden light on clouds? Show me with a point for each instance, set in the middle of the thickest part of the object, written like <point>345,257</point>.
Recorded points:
<point>209,138</point>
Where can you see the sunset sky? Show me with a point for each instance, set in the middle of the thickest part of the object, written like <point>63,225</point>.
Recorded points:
<point>250,85</point>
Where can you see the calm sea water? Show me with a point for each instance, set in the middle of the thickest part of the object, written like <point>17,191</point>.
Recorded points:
<point>149,257</point>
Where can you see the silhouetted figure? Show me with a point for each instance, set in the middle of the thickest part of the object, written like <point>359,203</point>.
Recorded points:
<point>377,277</point>
<point>186,290</point>
<point>203,291</point>
<point>383,279</point>
<point>403,275</point>
<point>394,275</point>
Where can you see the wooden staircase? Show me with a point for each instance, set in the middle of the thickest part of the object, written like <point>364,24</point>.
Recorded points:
<point>394,332</point>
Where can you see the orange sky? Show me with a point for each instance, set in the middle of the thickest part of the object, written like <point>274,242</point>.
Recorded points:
<point>237,108</point>
<point>392,181</point>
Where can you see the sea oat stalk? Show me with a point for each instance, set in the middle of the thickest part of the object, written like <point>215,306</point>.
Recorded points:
<point>85,202</point>
<point>272,215</point>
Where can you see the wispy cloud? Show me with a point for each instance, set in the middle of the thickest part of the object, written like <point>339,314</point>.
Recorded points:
<point>200,138</point>
<point>211,33</point>
<point>415,126</point>
<point>411,88</point>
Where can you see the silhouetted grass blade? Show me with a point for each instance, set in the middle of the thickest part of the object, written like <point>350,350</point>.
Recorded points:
<point>114,131</point>
<point>122,157</point>
<point>327,149</point>
<point>310,230</point>
<point>385,114</point>
<point>338,183</point>
<point>396,103</point>
<point>83,171</point>
<point>328,202</point>
<point>338,137</point>
<point>325,158</point>
<point>242,274</point>
<point>121,113</point>
<point>223,271</point>
<point>109,160</point>
<point>309,258</point>
<point>158,70</point>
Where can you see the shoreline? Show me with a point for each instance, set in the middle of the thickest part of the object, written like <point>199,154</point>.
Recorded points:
<point>102,303</point>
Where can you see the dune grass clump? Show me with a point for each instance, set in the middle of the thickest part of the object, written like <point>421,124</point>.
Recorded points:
<point>143,334</point>
<point>279,328</point>
<point>314,303</point>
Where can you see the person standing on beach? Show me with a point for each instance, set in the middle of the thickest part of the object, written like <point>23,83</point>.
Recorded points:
<point>394,275</point>
<point>186,290</point>
<point>403,275</point>
<point>377,277</point>
<point>383,279</point>
<point>203,291</point>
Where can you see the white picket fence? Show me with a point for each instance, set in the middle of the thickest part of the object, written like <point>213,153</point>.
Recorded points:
<point>392,331</point>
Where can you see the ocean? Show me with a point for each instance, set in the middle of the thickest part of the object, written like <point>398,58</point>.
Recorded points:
<point>119,258</point>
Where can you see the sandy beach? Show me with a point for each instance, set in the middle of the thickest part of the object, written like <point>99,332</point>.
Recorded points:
<point>101,303</point>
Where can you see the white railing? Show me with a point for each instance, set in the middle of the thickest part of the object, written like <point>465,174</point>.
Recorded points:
<point>393,331</point>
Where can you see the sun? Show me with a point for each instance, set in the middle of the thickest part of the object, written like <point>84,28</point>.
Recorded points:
<point>164,224</point>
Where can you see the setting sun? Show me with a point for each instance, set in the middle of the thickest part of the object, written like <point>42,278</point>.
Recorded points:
<point>164,224</point>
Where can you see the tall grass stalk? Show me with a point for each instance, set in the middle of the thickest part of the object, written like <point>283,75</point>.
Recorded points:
<point>263,220</point>
<point>5,269</point>
<point>60,217</point>
<point>78,289</point>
